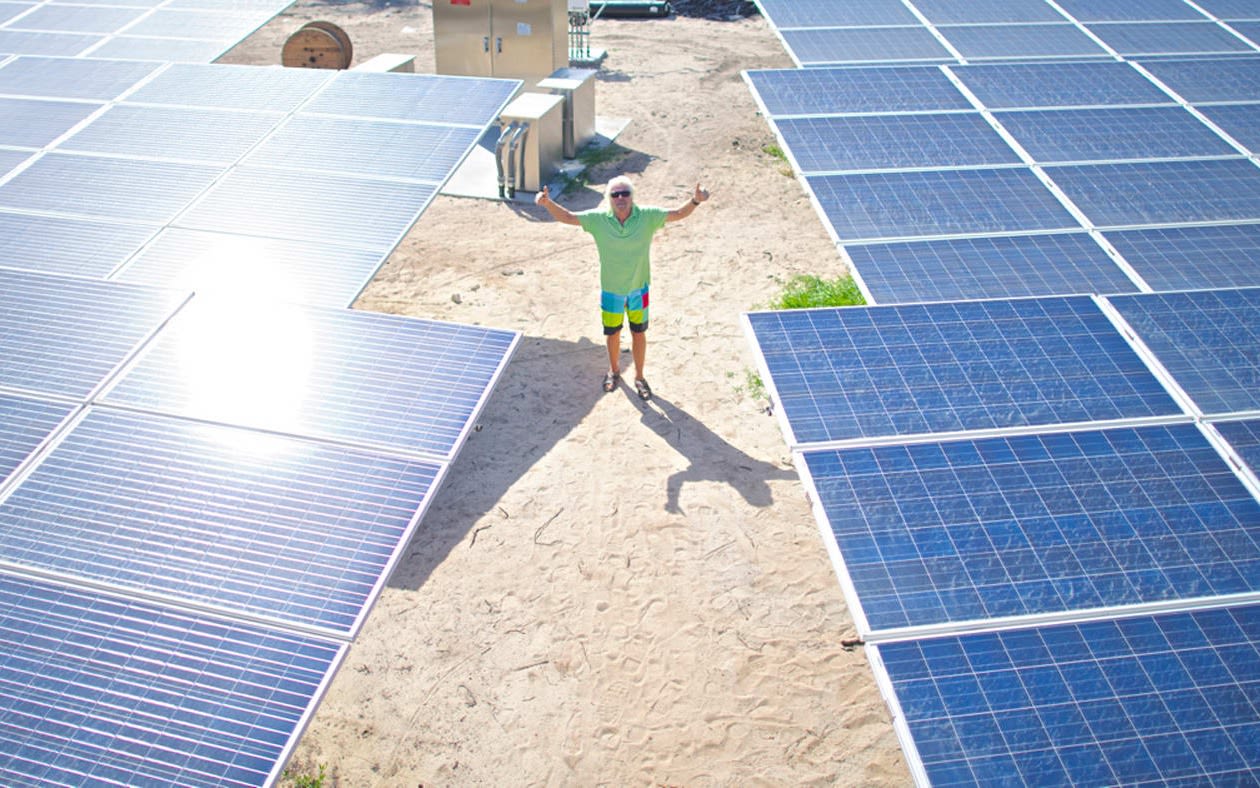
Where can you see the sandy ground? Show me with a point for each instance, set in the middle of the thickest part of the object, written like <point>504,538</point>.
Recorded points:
<point>606,592</point>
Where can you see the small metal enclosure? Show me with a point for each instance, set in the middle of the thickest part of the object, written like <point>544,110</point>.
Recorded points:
<point>535,155</point>
<point>577,86</point>
<point>509,39</point>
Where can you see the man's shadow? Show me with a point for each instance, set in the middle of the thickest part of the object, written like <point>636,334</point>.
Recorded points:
<point>711,458</point>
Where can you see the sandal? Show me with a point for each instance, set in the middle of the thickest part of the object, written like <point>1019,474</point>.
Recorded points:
<point>644,390</point>
<point>610,381</point>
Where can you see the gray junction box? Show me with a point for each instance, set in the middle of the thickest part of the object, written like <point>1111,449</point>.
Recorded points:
<point>577,86</point>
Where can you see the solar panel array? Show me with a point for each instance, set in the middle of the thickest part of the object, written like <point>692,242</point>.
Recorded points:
<point>1034,460</point>
<point>208,466</point>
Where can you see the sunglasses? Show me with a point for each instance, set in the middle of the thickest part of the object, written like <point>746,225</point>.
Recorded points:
<point>620,193</point>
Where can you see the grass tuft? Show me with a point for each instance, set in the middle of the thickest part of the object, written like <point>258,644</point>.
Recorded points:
<point>806,290</point>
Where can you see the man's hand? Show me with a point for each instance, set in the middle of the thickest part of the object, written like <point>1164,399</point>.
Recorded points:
<point>701,194</point>
<point>542,196</point>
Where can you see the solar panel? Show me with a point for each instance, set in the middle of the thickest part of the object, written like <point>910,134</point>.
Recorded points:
<point>77,19</point>
<point>1168,38</point>
<point>1128,10</point>
<point>218,265</point>
<point>422,98</point>
<point>1080,135</point>
<point>998,267</point>
<point>1165,192</point>
<point>33,124</point>
<point>1030,85</point>
<point>827,13</point>
<point>1240,121</point>
<point>10,159</point>
<point>836,91</point>
<point>170,133</point>
<point>876,142</point>
<point>1206,339</point>
<point>961,12</point>
<point>1230,9</point>
<point>10,10</point>
<point>919,204</point>
<point>232,87</point>
<point>67,78</point>
<point>1212,79</point>
<point>63,336</point>
<point>865,45</point>
<point>1191,258</point>
<point>1021,41</point>
<point>24,424</point>
<point>405,384</point>
<point>98,690</point>
<point>966,531</point>
<point>842,374</point>
<point>241,522</point>
<point>24,42</point>
<point>1164,699</point>
<point>106,188</point>
<point>1249,29</point>
<point>168,50</point>
<point>1244,437</point>
<point>67,246</point>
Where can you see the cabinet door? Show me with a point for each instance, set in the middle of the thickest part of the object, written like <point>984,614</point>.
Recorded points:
<point>461,37</point>
<point>522,44</point>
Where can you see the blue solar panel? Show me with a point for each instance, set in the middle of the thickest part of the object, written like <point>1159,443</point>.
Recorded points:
<point>828,13</point>
<point>100,691</point>
<point>865,45</point>
<point>1240,121</point>
<point>1113,134</point>
<point>1249,29</point>
<point>107,188</point>
<point>875,142</point>
<point>1168,38</point>
<point>248,523</point>
<point>24,42</point>
<point>961,12</point>
<point>24,424</point>
<point>966,531</point>
<point>170,133</point>
<point>27,123</point>
<point>902,370</point>
<point>232,87</point>
<point>166,50</point>
<point>63,336</point>
<point>1128,10</point>
<point>268,269</point>
<point>852,90</point>
<point>1028,85</point>
<point>425,98</point>
<point>10,10</point>
<point>1151,700</point>
<point>368,214</point>
<point>1192,258</point>
<point>67,246</point>
<point>381,380</point>
<point>67,78</point>
<point>368,148</point>
<point>914,204</point>
<point>1244,436</point>
<point>10,159</point>
<point>77,19</point>
<point>1000,267</point>
<point>1207,340</point>
<point>1021,41</point>
<point>1214,79</point>
<point>1230,9</point>
<point>1166,192</point>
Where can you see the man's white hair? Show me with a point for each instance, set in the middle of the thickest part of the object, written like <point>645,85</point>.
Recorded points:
<point>621,181</point>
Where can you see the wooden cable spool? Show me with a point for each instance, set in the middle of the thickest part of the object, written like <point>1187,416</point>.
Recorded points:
<point>317,45</point>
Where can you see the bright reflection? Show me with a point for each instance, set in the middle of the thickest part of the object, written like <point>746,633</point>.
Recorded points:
<point>235,267</point>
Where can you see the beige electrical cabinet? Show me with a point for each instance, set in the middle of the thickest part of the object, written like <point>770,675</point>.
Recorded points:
<point>508,39</point>
<point>577,85</point>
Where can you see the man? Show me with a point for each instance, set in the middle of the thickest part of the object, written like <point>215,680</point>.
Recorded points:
<point>623,237</point>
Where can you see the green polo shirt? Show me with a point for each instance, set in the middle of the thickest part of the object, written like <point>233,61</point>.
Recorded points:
<point>623,248</point>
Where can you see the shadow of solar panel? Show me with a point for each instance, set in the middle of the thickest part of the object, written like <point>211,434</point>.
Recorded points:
<point>1165,699</point>
<point>969,531</point>
<point>903,205</point>
<point>69,78</point>
<point>64,336</point>
<point>1214,79</point>
<point>1084,135</point>
<point>1240,121</point>
<point>242,522</point>
<point>98,690</point>
<point>173,133</point>
<point>843,374</point>
<point>24,424</point>
<point>34,124</point>
<point>1128,10</point>
<point>1164,192</point>
<point>1209,341</point>
<point>824,46</point>
<point>404,384</point>
<point>1192,258</point>
<point>1244,437</point>
<point>893,142</point>
<point>827,13</point>
<point>1169,38</point>
<point>978,42</point>
<point>835,91</point>
<point>998,267</point>
<point>1032,85</point>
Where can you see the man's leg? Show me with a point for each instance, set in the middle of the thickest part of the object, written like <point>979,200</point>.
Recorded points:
<point>613,341</point>
<point>638,349</point>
